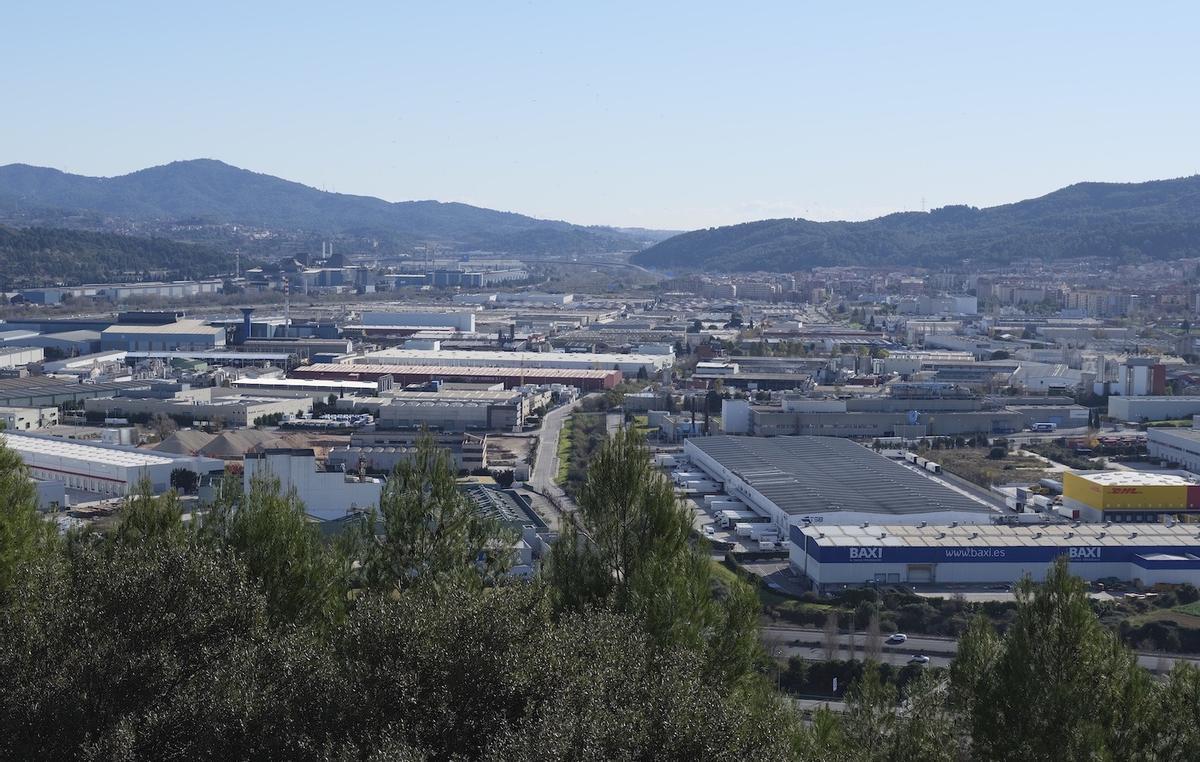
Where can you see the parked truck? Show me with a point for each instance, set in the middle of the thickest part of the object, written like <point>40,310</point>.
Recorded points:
<point>728,519</point>
<point>932,467</point>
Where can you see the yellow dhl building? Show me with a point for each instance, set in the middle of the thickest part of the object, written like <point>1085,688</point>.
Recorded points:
<point>1124,490</point>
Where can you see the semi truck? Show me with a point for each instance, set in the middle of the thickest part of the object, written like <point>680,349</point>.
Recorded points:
<point>727,519</point>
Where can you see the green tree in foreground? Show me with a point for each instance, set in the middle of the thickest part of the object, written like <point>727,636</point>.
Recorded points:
<point>428,533</point>
<point>637,556</point>
<point>24,534</point>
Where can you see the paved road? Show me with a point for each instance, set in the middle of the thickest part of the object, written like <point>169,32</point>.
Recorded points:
<point>545,466</point>
<point>785,642</point>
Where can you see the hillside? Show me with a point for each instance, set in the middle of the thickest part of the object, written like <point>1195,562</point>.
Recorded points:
<point>42,256</point>
<point>1157,220</point>
<point>206,192</point>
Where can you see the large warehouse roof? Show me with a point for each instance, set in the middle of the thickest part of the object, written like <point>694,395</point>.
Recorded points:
<point>807,474</point>
<point>376,370</point>
<point>483,357</point>
<point>1134,479</point>
<point>1002,535</point>
<point>65,448</point>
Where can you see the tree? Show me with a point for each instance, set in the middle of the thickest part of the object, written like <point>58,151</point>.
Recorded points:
<point>428,532</point>
<point>24,534</point>
<point>634,554</point>
<point>873,645</point>
<point>302,579</point>
<point>184,480</point>
<point>1091,697</point>
<point>829,637</point>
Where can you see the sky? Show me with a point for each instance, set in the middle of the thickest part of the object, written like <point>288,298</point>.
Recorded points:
<point>671,115</point>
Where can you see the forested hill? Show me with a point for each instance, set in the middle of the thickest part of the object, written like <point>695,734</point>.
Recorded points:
<point>1158,220</point>
<point>41,256</point>
<point>204,191</point>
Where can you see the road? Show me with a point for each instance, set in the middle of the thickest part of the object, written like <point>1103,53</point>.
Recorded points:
<point>808,644</point>
<point>545,464</point>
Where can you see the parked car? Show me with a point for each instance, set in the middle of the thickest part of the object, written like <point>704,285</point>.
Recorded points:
<point>897,638</point>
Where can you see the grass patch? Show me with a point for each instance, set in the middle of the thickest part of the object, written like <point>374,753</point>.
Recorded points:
<point>973,464</point>
<point>1184,618</point>
<point>564,450</point>
<point>1189,609</point>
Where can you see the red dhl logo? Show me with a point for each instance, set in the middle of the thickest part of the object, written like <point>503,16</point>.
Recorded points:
<point>1125,490</point>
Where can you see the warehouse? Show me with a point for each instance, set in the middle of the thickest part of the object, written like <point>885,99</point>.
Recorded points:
<point>630,365</point>
<point>46,391</point>
<point>1180,446</point>
<point>106,470</point>
<point>382,451</point>
<point>190,335</point>
<point>214,404</point>
<point>327,495</point>
<point>1129,496</point>
<point>835,556</point>
<point>1138,409</point>
<point>402,375</point>
<point>16,357</point>
<point>826,480</point>
<point>457,321</point>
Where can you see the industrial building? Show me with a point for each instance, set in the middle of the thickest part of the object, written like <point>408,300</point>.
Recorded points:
<point>45,391</point>
<point>450,409</point>
<point>327,495</point>
<point>190,335</point>
<point>380,451</point>
<point>1129,496</point>
<point>586,380</point>
<point>827,480</point>
<point>836,556</point>
<point>630,365</point>
<point>26,418</point>
<point>17,357</point>
<point>1138,409</point>
<point>314,387</point>
<point>456,321</point>
<point>119,292</point>
<point>106,470</point>
<point>226,406</point>
<point>1178,446</point>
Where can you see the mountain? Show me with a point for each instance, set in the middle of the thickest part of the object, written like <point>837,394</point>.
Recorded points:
<point>1156,220</point>
<point>41,256</point>
<point>178,198</point>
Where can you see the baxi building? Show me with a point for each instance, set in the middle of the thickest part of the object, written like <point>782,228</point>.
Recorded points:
<point>833,556</point>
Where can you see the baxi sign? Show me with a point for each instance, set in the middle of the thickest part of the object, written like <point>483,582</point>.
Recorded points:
<point>1084,554</point>
<point>866,554</point>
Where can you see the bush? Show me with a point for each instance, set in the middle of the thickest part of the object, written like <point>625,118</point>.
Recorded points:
<point>997,453</point>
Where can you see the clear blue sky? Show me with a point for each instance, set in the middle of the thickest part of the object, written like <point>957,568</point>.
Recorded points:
<point>674,115</point>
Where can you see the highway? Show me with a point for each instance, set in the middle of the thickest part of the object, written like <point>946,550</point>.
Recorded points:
<point>784,642</point>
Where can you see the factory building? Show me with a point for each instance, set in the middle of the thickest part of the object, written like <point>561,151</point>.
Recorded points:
<point>827,480</point>
<point>1129,496</point>
<point>1152,408</point>
<point>225,406</point>
<point>382,451</point>
<point>189,335</point>
<point>1178,446</point>
<point>403,375</point>
<point>456,321</point>
<point>454,409</point>
<point>830,557</point>
<point>327,495</point>
<point>17,357</point>
<point>26,418</point>
<point>628,364</point>
<point>106,470</point>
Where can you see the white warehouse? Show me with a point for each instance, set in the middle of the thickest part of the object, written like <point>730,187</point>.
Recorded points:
<point>327,495</point>
<point>106,470</point>
<point>629,364</point>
